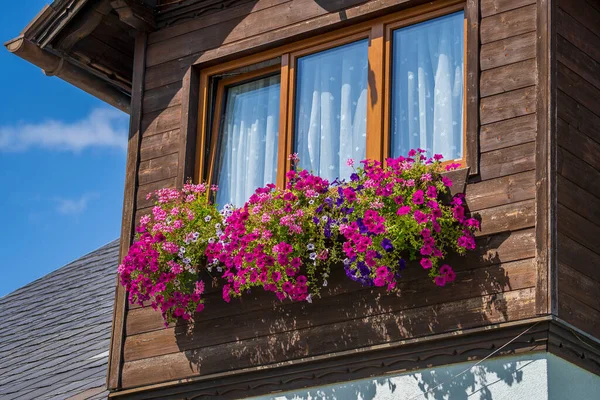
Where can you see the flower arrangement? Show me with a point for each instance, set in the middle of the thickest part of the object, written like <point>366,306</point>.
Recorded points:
<point>287,240</point>
<point>164,261</point>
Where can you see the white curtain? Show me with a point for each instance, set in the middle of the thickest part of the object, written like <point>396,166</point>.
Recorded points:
<point>247,157</point>
<point>331,107</point>
<point>427,96</point>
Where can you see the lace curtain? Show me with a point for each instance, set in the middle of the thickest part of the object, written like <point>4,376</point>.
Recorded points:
<point>247,157</point>
<point>427,87</point>
<point>331,107</point>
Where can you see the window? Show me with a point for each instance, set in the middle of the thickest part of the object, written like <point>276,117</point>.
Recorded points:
<point>428,87</point>
<point>246,137</point>
<point>331,109</point>
<point>371,90</point>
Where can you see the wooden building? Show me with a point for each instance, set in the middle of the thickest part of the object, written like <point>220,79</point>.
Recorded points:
<point>525,75</point>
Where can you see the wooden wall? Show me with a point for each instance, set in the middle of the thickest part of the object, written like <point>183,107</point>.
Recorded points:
<point>578,151</point>
<point>494,285</point>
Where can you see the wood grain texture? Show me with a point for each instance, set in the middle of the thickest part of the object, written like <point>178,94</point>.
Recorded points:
<point>507,161</point>
<point>328,338</point>
<point>113,380</point>
<point>508,51</point>
<point>509,77</point>
<point>507,217</point>
<point>492,7</point>
<point>507,133</point>
<point>508,24</point>
<point>159,145</point>
<point>508,105</point>
<point>500,191</point>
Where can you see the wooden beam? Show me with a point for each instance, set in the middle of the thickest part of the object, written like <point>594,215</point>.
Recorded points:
<point>135,14</point>
<point>53,65</point>
<point>129,207</point>
<point>545,159</point>
<point>83,25</point>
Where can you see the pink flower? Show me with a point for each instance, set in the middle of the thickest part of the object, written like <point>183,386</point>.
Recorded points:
<point>418,197</point>
<point>447,181</point>
<point>350,162</point>
<point>420,217</point>
<point>440,280</point>
<point>431,192</point>
<point>294,157</point>
<point>426,263</point>
<point>403,210</point>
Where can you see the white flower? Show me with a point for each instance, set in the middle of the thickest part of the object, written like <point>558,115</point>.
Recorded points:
<point>211,240</point>
<point>207,218</point>
<point>187,261</point>
<point>312,256</point>
<point>219,269</point>
<point>324,218</point>
<point>209,268</point>
<point>346,261</point>
<point>309,298</point>
<point>217,226</point>
<point>182,249</point>
<point>324,283</point>
<point>311,201</point>
<point>310,246</point>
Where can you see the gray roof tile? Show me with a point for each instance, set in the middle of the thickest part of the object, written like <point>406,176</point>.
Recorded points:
<point>55,334</point>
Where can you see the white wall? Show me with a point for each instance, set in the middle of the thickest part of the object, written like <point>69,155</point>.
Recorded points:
<point>540,376</point>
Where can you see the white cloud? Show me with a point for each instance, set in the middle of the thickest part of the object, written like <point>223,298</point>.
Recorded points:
<point>73,206</point>
<point>101,128</point>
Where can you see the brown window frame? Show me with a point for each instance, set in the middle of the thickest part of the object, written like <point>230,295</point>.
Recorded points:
<point>379,32</point>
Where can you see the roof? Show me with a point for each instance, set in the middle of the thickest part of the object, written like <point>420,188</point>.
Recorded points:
<point>55,331</point>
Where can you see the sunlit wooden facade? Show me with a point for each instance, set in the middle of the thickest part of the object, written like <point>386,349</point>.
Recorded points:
<point>531,172</point>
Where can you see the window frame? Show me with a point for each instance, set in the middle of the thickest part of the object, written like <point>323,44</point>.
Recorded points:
<point>379,32</point>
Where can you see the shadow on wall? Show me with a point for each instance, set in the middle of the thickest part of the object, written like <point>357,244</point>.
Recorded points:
<point>503,378</point>
<point>257,329</point>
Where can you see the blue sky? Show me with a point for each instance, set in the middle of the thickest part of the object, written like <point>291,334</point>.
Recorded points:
<point>62,165</point>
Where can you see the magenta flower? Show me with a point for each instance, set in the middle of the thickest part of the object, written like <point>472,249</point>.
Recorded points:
<point>418,197</point>
<point>403,210</point>
<point>426,263</point>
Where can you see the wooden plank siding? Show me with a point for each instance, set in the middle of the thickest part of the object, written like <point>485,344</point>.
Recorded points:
<point>497,283</point>
<point>578,169</point>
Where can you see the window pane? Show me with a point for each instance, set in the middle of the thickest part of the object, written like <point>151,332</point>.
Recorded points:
<point>427,87</point>
<point>247,156</point>
<point>331,109</point>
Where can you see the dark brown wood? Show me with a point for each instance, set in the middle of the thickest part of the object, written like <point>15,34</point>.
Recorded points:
<point>507,217</point>
<point>510,77</point>
<point>578,171</point>
<point>572,253</point>
<point>510,132</point>
<point>401,356</point>
<point>163,97</point>
<point>507,51</point>
<point>492,7</point>
<point>189,126</point>
<point>472,84</point>
<point>129,207</point>
<point>508,105</point>
<point>144,190</point>
<point>507,161</point>
<point>500,191</point>
<point>322,339</point>
<point>161,121</point>
<point>545,155</point>
<point>508,24</point>
<point>158,169</point>
<point>159,145</point>
<point>135,14</point>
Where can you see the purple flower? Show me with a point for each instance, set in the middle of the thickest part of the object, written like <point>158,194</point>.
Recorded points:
<point>354,177</point>
<point>387,245</point>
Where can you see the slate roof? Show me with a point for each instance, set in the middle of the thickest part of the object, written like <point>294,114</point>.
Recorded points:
<point>55,331</point>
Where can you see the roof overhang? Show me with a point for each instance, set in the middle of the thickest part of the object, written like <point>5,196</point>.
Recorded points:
<point>87,43</point>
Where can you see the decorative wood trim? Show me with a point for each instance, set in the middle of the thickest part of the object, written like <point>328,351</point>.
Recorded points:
<point>135,14</point>
<point>129,207</point>
<point>473,72</point>
<point>418,353</point>
<point>545,156</point>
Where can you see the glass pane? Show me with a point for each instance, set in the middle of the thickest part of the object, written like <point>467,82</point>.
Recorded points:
<point>427,87</point>
<point>247,157</point>
<point>331,109</point>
